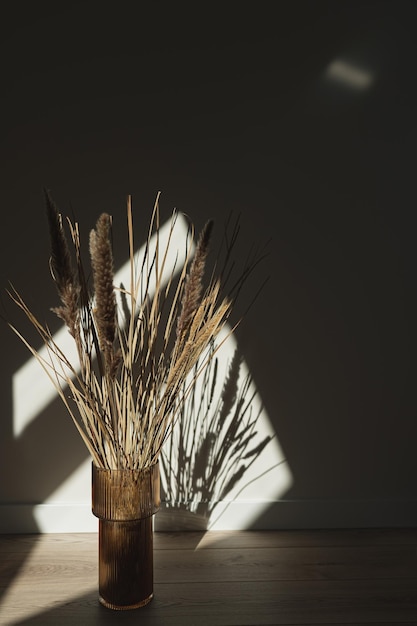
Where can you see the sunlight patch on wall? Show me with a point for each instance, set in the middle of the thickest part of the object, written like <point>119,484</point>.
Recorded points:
<point>349,74</point>
<point>68,508</point>
<point>252,475</point>
<point>266,476</point>
<point>225,463</point>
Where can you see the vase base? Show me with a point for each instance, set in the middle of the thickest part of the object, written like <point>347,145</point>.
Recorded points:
<point>116,607</point>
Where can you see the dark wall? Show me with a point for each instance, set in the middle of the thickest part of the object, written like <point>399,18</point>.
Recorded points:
<point>234,107</point>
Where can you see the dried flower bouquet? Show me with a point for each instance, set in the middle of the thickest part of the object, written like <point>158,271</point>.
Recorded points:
<point>137,345</point>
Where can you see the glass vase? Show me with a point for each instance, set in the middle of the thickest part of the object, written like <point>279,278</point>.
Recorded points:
<point>124,501</point>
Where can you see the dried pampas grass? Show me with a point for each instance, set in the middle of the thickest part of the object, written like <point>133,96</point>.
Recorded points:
<point>138,359</point>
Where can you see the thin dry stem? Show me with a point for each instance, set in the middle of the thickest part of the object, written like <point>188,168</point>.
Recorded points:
<point>132,378</point>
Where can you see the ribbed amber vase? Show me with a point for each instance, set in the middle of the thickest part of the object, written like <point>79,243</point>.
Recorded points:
<point>124,501</point>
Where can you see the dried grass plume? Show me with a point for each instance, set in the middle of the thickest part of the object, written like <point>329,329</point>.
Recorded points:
<point>137,344</point>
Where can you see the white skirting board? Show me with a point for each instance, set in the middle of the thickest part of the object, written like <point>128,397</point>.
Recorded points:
<point>235,515</point>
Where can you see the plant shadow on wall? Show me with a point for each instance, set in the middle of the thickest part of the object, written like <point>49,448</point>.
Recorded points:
<point>127,367</point>
<point>130,366</point>
<point>205,459</point>
<point>214,445</point>
<point>215,441</point>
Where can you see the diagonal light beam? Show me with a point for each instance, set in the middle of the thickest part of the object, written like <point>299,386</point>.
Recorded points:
<point>27,405</point>
<point>268,479</point>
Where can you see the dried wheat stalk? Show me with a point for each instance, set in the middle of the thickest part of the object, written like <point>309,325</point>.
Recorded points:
<point>134,376</point>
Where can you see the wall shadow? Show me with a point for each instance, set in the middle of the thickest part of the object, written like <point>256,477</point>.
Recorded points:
<point>214,444</point>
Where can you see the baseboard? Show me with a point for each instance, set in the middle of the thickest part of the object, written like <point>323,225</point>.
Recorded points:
<point>236,515</point>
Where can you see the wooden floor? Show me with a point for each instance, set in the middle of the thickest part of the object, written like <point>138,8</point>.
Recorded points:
<point>221,578</point>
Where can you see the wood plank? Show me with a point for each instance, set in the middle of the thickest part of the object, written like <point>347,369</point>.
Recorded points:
<point>285,538</point>
<point>64,559</point>
<point>235,604</point>
<point>230,578</point>
<point>190,540</point>
<point>287,564</point>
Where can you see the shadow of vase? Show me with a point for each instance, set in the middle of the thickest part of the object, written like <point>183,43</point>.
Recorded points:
<point>180,518</point>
